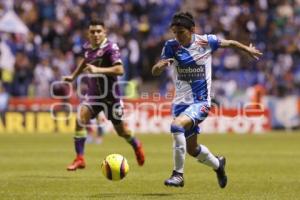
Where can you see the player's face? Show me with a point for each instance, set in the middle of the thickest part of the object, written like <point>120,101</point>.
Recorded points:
<point>182,34</point>
<point>97,33</point>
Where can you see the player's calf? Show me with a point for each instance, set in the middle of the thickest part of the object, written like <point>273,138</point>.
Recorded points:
<point>133,141</point>
<point>138,150</point>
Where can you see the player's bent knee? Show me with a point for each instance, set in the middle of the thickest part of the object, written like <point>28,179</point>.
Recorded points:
<point>179,148</point>
<point>82,121</point>
<point>176,128</point>
<point>84,115</point>
<point>192,151</point>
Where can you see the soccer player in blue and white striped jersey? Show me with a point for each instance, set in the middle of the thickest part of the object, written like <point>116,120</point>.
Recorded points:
<point>190,56</point>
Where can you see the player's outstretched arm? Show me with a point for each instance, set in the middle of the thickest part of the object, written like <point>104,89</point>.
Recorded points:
<point>159,67</point>
<point>251,50</point>
<point>77,71</point>
<point>116,70</point>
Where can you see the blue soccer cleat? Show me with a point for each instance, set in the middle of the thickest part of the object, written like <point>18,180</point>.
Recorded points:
<point>221,175</point>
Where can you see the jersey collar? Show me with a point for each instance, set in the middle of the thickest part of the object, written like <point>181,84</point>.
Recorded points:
<point>193,39</point>
<point>103,44</point>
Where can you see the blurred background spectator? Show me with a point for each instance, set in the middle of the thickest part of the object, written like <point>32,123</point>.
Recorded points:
<point>140,27</point>
<point>4,97</point>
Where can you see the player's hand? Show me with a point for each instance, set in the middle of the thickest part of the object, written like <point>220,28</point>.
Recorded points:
<point>253,52</point>
<point>161,65</point>
<point>91,69</point>
<point>164,63</point>
<point>68,78</point>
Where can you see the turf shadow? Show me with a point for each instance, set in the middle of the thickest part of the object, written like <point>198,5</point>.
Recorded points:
<point>114,195</point>
<point>48,177</point>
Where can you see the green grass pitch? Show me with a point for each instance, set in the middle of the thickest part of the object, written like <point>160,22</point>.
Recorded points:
<point>262,167</point>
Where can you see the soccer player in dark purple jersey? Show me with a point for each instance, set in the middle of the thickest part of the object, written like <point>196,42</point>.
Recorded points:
<point>102,59</point>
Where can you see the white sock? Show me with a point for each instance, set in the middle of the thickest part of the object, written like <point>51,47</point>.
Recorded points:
<point>207,158</point>
<point>179,151</point>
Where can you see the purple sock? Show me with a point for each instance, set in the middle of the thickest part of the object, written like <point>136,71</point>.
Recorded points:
<point>134,142</point>
<point>79,145</point>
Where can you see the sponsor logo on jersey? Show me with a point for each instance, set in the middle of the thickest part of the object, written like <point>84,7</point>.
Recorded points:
<point>191,72</point>
<point>100,52</point>
<point>204,109</point>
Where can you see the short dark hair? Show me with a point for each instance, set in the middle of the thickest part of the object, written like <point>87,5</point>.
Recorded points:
<point>96,21</point>
<point>184,19</point>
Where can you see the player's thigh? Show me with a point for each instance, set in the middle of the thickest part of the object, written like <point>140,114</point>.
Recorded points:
<point>183,121</point>
<point>197,112</point>
<point>192,145</point>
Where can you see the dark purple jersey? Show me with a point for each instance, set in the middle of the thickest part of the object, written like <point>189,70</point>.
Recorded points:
<point>106,55</point>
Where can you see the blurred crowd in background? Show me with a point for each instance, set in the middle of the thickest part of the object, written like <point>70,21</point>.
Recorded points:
<point>140,27</point>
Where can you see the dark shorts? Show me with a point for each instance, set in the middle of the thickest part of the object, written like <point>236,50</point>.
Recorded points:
<point>113,110</point>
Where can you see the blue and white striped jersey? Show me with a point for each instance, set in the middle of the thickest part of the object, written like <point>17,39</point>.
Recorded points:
<point>192,68</point>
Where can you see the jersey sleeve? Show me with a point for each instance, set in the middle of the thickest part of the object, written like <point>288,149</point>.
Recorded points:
<point>213,42</point>
<point>167,51</point>
<point>115,55</point>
